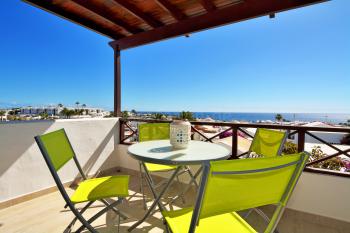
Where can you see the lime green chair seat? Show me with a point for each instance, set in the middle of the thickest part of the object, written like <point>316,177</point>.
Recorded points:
<point>267,143</point>
<point>179,222</point>
<point>152,167</point>
<point>99,188</point>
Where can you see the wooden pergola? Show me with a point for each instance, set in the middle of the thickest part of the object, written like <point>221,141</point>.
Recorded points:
<point>132,23</point>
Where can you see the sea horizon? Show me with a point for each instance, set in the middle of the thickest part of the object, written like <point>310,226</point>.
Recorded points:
<point>334,118</point>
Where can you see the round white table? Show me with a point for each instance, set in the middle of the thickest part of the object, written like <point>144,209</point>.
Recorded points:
<point>161,152</point>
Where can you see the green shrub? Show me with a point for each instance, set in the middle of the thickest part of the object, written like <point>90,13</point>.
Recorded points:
<point>290,148</point>
<point>334,163</point>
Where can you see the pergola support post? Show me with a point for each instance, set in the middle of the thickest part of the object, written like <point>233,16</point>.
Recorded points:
<point>117,82</point>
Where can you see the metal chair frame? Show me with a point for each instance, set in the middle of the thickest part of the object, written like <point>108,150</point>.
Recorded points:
<point>278,211</point>
<point>78,214</point>
<point>280,150</point>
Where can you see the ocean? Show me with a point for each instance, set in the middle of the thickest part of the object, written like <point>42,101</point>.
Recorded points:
<point>334,118</point>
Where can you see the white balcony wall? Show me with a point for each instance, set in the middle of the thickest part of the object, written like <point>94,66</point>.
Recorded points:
<point>22,167</point>
<point>317,194</point>
<point>23,170</point>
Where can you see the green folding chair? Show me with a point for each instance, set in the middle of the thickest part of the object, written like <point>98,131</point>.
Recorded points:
<point>157,131</point>
<point>267,143</point>
<point>235,185</point>
<point>57,151</point>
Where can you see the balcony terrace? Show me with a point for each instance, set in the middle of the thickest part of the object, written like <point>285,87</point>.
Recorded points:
<point>32,204</point>
<point>29,200</point>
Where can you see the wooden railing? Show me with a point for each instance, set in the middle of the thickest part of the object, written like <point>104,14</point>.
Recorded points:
<point>237,129</point>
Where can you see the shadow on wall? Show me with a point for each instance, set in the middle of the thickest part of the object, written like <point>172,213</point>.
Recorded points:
<point>94,157</point>
<point>17,138</point>
<point>111,158</point>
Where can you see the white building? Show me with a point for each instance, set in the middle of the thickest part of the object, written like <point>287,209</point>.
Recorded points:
<point>331,137</point>
<point>38,110</point>
<point>95,112</point>
<point>55,111</point>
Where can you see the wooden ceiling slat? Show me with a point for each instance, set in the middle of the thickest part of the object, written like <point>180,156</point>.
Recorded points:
<point>138,13</point>
<point>107,14</point>
<point>51,7</point>
<point>235,13</point>
<point>176,13</point>
<point>133,23</point>
<point>208,5</point>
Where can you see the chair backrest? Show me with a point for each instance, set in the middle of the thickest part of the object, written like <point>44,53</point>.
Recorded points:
<point>57,151</point>
<point>153,131</point>
<point>56,146</point>
<point>268,143</point>
<point>235,185</point>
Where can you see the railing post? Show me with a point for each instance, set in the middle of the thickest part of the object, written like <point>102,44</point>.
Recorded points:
<point>234,142</point>
<point>121,131</point>
<point>301,140</point>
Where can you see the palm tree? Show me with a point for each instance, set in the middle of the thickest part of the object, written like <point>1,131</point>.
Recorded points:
<point>64,112</point>
<point>67,113</point>
<point>78,111</point>
<point>77,104</point>
<point>186,115</point>
<point>279,117</point>
<point>2,113</point>
<point>125,114</point>
<point>83,110</point>
<point>157,116</point>
<point>44,115</point>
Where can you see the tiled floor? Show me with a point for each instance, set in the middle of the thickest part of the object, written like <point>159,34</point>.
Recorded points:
<point>47,215</point>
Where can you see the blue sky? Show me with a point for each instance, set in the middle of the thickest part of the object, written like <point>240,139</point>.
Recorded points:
<point>297,62</point>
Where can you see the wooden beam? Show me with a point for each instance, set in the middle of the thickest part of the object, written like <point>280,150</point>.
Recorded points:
<point>232,14</point>
<point>208,5</point>
<point>49,5</point>
<point>138,13</point>
<point>117,82</point>
<point>175,12</point>
<point>104,12</point>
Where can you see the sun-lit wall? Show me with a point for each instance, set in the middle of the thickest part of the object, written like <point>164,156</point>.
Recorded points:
<point>22,167</point>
